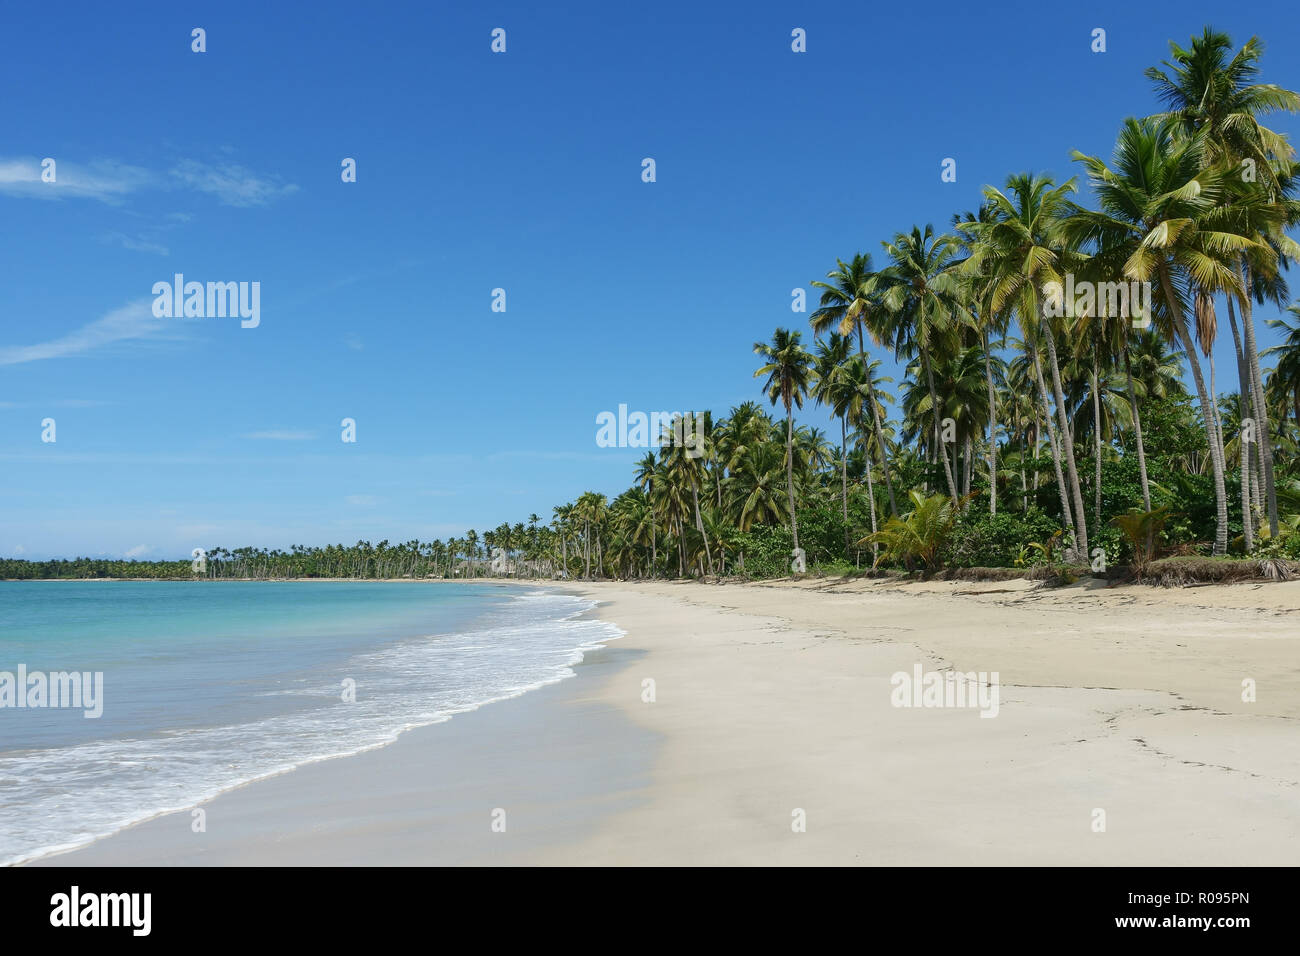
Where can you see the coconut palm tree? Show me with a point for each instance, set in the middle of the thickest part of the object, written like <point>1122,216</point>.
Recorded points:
<point>754,487</point>
<point>846,305</point>
<point>828,372</point>
<point>645,479</point>
<point>978,287</point>
<point>1211,95</point>
<point>1163,208</point>
<point>1025,258</point>
<point>1285,380</point>
<point>921,290</point>
<point>788,367</point>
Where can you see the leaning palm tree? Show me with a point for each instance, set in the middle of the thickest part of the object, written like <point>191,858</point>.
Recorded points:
<point>788,367</point>
<point>1210,93</point>
<point>921,290</point>
<point>846,305</point>
<point>1164,210</point>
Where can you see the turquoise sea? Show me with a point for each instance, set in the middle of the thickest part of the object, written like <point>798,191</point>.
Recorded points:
<point>210,685</point>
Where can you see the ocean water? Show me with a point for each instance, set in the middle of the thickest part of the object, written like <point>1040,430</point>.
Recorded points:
<point>210,685</point>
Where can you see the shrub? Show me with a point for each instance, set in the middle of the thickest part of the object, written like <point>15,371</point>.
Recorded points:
<point>981,540</point>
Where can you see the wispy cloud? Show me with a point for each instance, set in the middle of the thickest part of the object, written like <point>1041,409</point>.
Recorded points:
<point>234,185</point>
<point>131,322</point>
<point>104,180</point>
<point>281,435</point>
<point>364,501</point>
<point>110,181</point>
<point>139,551</point>
<point>135,243</point>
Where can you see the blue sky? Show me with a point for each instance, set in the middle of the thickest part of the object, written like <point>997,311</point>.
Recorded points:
<point>475,171</point>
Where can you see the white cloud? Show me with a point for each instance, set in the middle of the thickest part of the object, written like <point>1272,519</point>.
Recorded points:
<point>139,551</point>
<point>234,185</point>
<point>362,500</point>
<point>133,321</point>
<point>110,181</point>
<point>135,243</point>
<point>103,180</point>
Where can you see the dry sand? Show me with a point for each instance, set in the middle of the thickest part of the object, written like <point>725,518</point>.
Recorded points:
<point>773,701</point>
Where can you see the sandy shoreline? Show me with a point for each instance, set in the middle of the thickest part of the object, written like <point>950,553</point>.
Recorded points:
<point>774,699</point>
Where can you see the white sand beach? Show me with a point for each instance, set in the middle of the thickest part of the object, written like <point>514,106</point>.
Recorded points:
<point>775,698</point>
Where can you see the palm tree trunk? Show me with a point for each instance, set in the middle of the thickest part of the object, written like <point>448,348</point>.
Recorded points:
<point>844,478</point>
<point>1067,441</point>
<point>993,429</point>
<point>966,468</point>
<point>699,526</point>
<point>1207,412</point>
<point>681,549</point>
<point>1024,485</point>
<point>875,424</point>
<point>654,545</point>
<point>1137,430</point>
<point>1066,513</point>
<point>1257,397</point>
<point>940,450</point>
<point>1096,438</point>
<point>1218,430</point>
<point>871,504</point>
<point>789,471</point>
<point>1243,412</point>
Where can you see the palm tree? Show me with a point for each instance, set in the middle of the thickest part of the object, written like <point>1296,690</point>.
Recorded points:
<point>978,288</point>
<point>645,478</point>
<point>1024,257</point>
<point>921,533</point>
<point>828,372</point>
<point>1098,340</point>
<point>1162,208</point>
<point>686,467</point>
<point>920,289</point>
<point>788,367</point>
<point>1285,380</point>
<point>564,517</point>
<point>1212,96</point>
<point>846,304</point>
